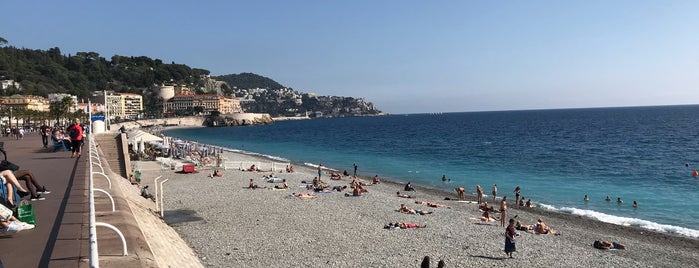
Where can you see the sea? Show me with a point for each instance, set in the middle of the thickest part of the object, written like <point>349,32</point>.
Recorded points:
<point>556,157</point>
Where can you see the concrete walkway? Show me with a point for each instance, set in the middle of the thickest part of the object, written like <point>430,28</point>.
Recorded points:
<point>61,237</point>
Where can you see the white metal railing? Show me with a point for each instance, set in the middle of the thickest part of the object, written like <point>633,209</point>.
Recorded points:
<point>94,252</point>
<point>159,196</point>
<point>245,165</point>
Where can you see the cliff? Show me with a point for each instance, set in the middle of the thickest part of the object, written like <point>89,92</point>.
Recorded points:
<point>238,119</point>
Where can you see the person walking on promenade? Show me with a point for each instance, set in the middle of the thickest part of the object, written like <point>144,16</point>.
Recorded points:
<point>76,137</point>
<point>45,134</point>
<point>510,235</point>
<point>479,191</point>
<point>495,192</point>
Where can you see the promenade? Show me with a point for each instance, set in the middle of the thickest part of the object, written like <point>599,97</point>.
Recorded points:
<point>61,236</point>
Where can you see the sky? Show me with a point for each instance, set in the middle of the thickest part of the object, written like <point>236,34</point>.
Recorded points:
<point>405,56</point>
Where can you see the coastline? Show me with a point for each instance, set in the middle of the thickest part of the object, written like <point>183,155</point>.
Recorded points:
<point>450,234</point>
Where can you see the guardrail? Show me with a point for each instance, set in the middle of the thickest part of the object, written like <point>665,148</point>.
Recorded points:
<point>94,252</point>
<point>245,165</point>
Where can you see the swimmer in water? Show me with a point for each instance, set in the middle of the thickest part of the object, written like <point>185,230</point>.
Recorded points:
<point>608,199</point>
<point>635,204</point>
<point>618,200</point>
<point>586,198</point>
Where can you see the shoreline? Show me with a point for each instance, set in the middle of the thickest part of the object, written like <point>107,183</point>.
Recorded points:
<point>243,227</point>
<point>470,195</point>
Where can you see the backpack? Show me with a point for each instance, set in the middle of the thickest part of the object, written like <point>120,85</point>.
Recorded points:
<point>73,132</point>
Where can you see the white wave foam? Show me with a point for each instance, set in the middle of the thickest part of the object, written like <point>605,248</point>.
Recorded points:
<point>645,224</point>
<point>316,166</point>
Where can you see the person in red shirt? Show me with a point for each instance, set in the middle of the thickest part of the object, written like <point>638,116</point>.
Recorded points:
<point>76,137</point>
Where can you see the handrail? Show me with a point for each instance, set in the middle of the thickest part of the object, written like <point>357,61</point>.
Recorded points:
<point>116,230</point>
<point>108,195</point>
<point>94,252</point>
<point>162,206</point>
<point>105,175</point>
<point>157,194</point>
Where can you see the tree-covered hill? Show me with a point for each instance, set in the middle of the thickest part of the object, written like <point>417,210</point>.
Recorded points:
<point>41,72</point>
<point>248,80</point>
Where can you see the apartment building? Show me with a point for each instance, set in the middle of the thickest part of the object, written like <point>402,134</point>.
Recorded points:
<point>208,103</point>
<point>29,102</point>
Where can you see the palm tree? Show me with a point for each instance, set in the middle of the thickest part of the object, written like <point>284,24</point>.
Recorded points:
<point>60,109</point>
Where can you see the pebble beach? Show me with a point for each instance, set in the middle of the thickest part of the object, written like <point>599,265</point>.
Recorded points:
<point>229,225</point>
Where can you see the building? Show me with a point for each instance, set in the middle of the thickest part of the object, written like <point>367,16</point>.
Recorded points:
<point>29,102</point>
<point>5,84</point>
<point>207,102</point>
<point>124,105</point>
<point>57,97</point>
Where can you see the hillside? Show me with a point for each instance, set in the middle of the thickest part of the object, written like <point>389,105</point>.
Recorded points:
<point>41,72</point>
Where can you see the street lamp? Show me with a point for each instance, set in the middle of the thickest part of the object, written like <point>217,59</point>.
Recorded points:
<point>10,117</point>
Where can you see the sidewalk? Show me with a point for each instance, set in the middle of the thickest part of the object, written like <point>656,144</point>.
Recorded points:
<point>60,237</point>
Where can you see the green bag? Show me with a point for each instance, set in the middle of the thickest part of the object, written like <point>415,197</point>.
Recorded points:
<point>25,213</point>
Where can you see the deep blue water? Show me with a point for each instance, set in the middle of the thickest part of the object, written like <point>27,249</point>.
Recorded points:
<point>556,156</point>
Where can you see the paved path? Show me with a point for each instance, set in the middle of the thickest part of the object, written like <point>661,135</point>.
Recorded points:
<point>60,237</point>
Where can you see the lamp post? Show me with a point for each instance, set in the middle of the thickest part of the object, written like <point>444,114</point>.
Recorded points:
<point>10,117</point>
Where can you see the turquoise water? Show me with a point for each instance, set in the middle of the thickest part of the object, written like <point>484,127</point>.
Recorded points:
<point>555,156</point>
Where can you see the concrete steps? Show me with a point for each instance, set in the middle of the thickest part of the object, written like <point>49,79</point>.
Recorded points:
<point>115,158</point>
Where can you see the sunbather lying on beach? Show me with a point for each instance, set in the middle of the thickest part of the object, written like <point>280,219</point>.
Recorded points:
<point>541,228</point>
<point>339,188</point>
<point>355,192</point>
<point>485,207</point>
<point>403,195</point>
<point>522,227</point>
<point>432,204</point>
<point>252,185</point>
<point>304,195</point>
<point>487,217</point>
<point>407,210</point>
<point>600,244</point>
<point>284,185</point>
<point>404,225</point>
<point>335,176</point>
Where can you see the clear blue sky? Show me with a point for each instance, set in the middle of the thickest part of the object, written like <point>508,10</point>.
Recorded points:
<point>405,56</point>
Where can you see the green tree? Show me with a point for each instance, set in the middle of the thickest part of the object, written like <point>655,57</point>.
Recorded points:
<point>60,109</point>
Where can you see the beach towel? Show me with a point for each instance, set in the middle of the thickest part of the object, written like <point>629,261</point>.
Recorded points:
<point>274,180</point>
